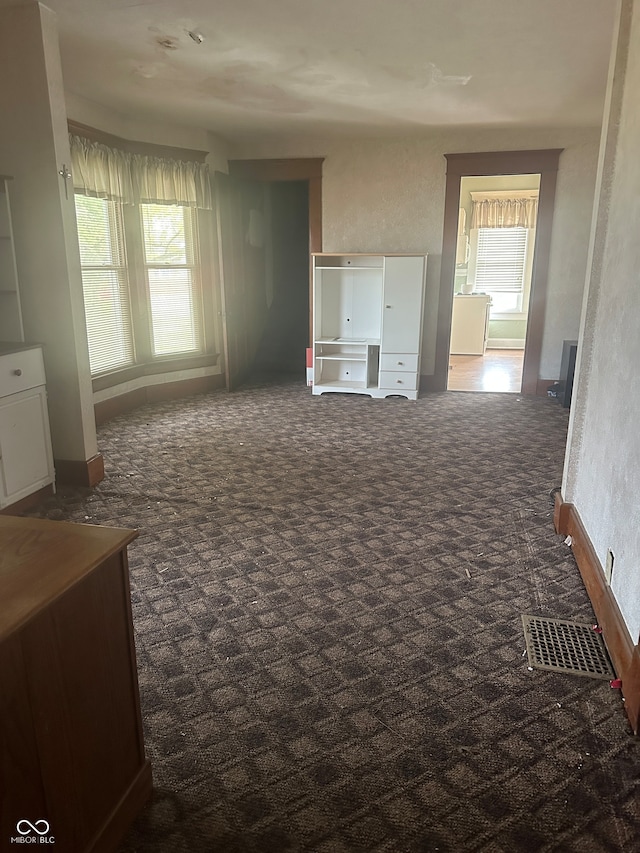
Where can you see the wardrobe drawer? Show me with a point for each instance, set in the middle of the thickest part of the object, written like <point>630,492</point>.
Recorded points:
<point>21,370</point>
<point>398,361</point>
<point>395,380</point>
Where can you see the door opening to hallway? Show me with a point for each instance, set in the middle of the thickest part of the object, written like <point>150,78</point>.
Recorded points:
<point>492,287</point>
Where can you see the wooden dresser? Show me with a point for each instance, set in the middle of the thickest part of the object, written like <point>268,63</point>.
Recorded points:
<point>72,762</point>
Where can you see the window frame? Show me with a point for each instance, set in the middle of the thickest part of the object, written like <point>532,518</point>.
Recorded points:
<point>522,311</point>
<point>145,362</point>
<point>118,242</point>
<point>192,247</point>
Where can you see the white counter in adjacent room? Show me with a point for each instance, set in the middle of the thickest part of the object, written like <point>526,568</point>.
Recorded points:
<point>470,323</point>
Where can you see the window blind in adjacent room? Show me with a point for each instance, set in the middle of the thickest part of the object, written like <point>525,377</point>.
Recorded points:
<point>501,259</point>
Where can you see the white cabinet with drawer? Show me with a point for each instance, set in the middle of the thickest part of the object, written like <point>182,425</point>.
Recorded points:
<point>367,321</point>
<point>26,459</point>
<point>399,361</point>
<point>397,382</point>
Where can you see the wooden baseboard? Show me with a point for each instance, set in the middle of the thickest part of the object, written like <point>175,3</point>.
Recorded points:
<point>624,654</point>
<point>123,403</point>
<point>505,343</point>
<point>27,503</point>
<point>184,388</point>
<point>543,386</point>
<point>72,472</point>
<point>119,821</point>
<point>120,405</point>
<point>428,383</point>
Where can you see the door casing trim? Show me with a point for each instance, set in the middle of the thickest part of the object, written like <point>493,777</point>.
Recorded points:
<point>543,162</point>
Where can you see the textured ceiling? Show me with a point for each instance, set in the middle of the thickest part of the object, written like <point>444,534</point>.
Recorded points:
<point>352,66</point>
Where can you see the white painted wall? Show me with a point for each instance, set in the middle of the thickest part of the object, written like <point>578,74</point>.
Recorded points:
<point>103,118</point>
<point>388,195</point>
<point>602,471</point>
<point>34,145</point>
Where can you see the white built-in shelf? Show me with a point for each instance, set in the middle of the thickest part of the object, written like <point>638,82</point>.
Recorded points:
<point>341,356</point>
<point>357,341</point>
<point>350,267</point>
<point>347,385</point>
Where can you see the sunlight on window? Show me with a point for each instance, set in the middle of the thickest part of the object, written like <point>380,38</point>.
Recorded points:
<point>169,252</point>
<point>105,283</point>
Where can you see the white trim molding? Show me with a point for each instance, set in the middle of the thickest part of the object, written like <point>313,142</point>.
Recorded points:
<point>505,343</point>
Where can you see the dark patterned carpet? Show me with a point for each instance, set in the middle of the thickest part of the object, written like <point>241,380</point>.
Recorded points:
<point>327,595</point>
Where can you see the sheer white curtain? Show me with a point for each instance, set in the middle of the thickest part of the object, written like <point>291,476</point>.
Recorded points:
<point>496,212</point>
<point>104,172</point>
<point>162,181</point>
<point>101,172</point>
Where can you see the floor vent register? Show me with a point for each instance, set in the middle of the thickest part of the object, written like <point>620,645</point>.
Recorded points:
<point>561,646</point>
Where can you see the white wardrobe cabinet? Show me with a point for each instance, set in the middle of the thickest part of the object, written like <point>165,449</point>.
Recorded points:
<point>367,321</point>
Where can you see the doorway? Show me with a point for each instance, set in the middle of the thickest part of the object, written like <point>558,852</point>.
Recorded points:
<point>543,162</point>
<point>284,338</point>
<point>293,240</point>
<point>492,285</point>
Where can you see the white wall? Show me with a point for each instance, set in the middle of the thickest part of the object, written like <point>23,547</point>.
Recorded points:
<point>602,472</point>
<point>388,195</point>
<point>34,145</point>
<point>103,118</point>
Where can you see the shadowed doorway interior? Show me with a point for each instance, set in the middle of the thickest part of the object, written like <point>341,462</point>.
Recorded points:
<point>284,340</point>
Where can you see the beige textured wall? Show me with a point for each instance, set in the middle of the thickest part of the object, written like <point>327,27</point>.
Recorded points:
<point>602,472</point>
<point>388,195</point>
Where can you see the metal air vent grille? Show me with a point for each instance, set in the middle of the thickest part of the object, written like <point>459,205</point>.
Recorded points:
<point>562,646</point>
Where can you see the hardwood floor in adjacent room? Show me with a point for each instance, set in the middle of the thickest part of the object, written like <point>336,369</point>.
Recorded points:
<point>496,370</point>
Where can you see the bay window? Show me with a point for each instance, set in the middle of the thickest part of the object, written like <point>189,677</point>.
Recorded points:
<point>140,255</point>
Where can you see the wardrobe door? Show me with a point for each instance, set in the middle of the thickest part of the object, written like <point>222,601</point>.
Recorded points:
<point>402,304</point>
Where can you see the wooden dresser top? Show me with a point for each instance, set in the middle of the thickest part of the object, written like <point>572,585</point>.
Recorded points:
<point>40,559</point>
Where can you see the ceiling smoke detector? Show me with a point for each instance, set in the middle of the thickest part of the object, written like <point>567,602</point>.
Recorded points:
<point>197,37</point>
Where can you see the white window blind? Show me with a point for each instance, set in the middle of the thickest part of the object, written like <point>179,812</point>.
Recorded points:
<point>501,260</point>
<point>172,271</point>
<point>105,283</point>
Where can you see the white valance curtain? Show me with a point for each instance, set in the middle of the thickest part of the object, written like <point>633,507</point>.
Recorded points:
<point>504,212</point>
<point>104,172</point>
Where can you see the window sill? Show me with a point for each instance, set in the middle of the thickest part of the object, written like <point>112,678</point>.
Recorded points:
<point>508,315</point>
<point>153,368</point>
